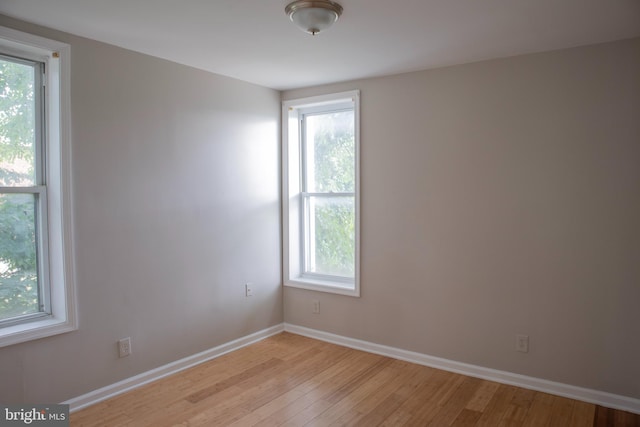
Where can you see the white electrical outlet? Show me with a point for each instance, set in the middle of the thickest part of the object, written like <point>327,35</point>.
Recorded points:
<point>248,290</point>
<point>124,347</point>
<point>522,343</point>
<point>316,306</point>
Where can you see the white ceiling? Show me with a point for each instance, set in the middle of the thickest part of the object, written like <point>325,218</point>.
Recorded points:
<point>253,40</point>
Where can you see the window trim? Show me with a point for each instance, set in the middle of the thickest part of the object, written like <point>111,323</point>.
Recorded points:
<point>292,210</point>
<point>57,58</point>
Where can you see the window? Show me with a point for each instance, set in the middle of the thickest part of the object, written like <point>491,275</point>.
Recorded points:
<point>37,297</point>
<point>23,213</point>
<point>321,188</point>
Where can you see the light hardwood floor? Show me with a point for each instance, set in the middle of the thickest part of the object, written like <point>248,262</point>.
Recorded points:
<point>289,380</point>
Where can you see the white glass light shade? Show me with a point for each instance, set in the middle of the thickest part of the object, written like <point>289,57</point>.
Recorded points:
<point>313,16</point>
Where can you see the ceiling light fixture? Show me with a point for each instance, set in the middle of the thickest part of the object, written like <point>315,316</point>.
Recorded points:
<point>313,16</point>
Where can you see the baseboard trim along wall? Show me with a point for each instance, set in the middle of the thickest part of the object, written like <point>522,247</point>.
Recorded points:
<point>608,400</point>
<point>128,384</point>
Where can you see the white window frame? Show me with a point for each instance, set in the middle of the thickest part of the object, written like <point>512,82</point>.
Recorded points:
<point>60,272</point>
<point>292,200</point>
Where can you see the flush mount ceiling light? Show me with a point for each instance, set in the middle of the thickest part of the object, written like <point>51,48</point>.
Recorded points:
<point>313,16</point>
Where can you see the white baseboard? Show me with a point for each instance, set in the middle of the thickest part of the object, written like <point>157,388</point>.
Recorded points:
<point>608,400</point>
<point>128,384</point>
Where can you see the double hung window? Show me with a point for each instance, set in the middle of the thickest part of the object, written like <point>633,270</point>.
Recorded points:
<point>321,182</point>
<point>37,297</point>
<point>24,294</point>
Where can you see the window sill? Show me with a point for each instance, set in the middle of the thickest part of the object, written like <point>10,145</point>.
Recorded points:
<point>323,286</point>
<point>34,330</point>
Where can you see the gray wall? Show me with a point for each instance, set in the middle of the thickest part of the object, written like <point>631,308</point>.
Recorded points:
<point>498,198</point>
<point>176,205</point>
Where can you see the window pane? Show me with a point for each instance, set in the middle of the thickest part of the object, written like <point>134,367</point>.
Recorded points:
<point>331,236</point>
<point>17,124</point>
<point>18,265</point>
<point>330,152</point>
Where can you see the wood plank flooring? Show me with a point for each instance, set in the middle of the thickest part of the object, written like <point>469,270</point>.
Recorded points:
<point>289,380</point>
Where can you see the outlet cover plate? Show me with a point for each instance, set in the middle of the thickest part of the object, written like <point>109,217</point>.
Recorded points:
<point>522,343</point>
<point>124,347</point>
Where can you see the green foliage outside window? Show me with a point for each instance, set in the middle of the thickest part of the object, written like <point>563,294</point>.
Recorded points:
<point>18,264</point>
<point>334,171</point>
<point>335,233</point>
